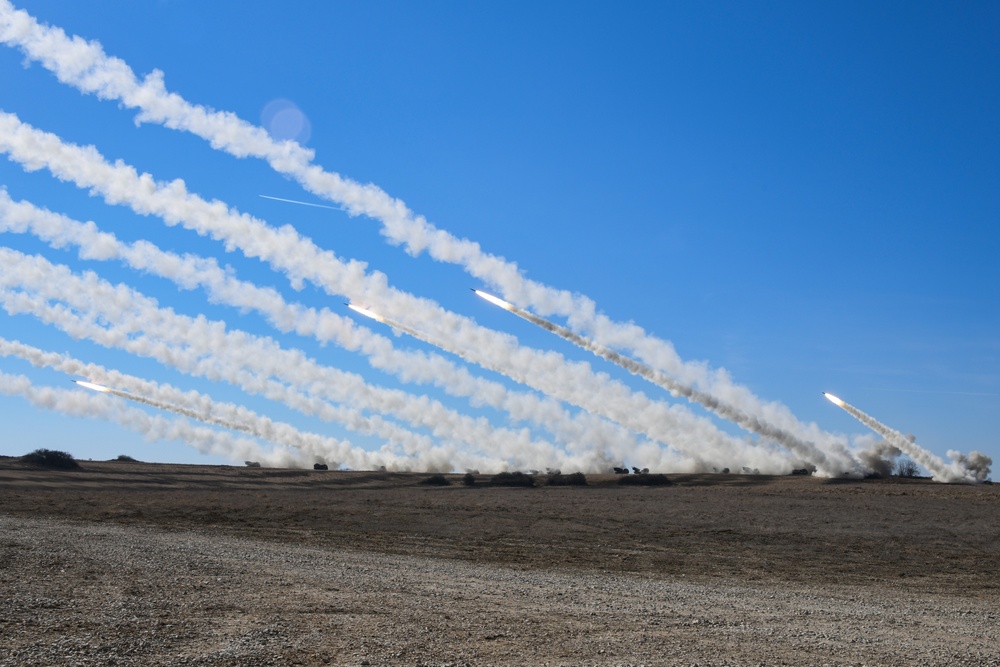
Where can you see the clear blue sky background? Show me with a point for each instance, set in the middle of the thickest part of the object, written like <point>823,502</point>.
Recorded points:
<point>806,194</point>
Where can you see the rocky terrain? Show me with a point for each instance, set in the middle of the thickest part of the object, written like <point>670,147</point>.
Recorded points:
<point>142,564</point>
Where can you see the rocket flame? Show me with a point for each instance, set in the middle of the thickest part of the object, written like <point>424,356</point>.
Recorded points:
<point>496,301</point>
<point>833,399</point>
<point>366,312</point>
<point>91,385</point>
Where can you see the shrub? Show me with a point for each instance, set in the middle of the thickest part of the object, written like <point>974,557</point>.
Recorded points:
<point>644,480</point>
<point>469,479</point>
<point>573,479</point>
<point>125,458</point>
<point>907,468</point>
<point>436,480</point>
<point>49,458</point>
<point>512,479</point>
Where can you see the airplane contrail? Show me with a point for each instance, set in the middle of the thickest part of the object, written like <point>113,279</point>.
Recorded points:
<point>286,250</point>
<point>808,451</point>
<point>301,203</point>
<point>940,470</point>
<point>112,78</point>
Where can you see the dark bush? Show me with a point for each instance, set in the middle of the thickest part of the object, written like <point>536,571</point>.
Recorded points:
<point>49,458</point>
<point>645,480</point>
<point>125,458</point>
<point>469,479</point>
<point>573,479</point>
<point>436,480</point>
<point>512,479</point>
<point>907,468</point>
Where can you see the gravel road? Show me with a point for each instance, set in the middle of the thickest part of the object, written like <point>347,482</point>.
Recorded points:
<point>104,594</point>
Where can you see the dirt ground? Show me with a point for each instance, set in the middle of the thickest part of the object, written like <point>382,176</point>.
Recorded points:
<point>203,562</point>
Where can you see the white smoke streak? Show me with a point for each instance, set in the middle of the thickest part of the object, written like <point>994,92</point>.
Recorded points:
<point>202,408</point>
<point>806,450</point>
<point>583,432</point>
<point>285,250</point>
<point>86,403</point>
<point>202,347</point>
<point>416,334</point>
<point>84,64</point>
<point>939,470</point>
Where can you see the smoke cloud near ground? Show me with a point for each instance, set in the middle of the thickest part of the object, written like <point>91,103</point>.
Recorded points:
<point>962,469</point>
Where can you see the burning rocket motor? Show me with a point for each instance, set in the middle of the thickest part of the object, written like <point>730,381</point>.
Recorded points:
<point>941,471</point>
<point>95,387</point>
<point>808,451</point>
<point>176,409</point>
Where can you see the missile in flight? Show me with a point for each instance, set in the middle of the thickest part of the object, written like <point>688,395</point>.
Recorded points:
<point>95,387</point>
<point>806,450</point>
<point>833,399</point>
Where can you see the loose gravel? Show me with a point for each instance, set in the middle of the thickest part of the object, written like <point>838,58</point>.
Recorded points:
<point>107,594</point>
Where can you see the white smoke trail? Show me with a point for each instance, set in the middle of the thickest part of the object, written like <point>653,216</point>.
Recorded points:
<point>806,450</point>
<point>84,64</point>
<point>582,431</point>
<point>80,403</point>
<point>202,347</point>
<point>203,408</point>
<point>938,469</point>
<point>284,249</point>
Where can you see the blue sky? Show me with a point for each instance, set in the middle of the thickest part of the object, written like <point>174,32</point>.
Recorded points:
<point>802,194</point>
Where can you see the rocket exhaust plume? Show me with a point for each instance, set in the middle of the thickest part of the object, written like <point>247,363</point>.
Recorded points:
<point>301,259</point>
<point>176,409</point>
<point>320,448</point>
<point>940,470</point>
<point>582,431</point>
<point>394,324</point>
<point>84,65</point>
<point>152,427</point>
<point>428,339</point>
<point>806,450</point>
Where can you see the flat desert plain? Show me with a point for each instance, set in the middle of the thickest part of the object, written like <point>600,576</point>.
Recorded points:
<point>152,564</point>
